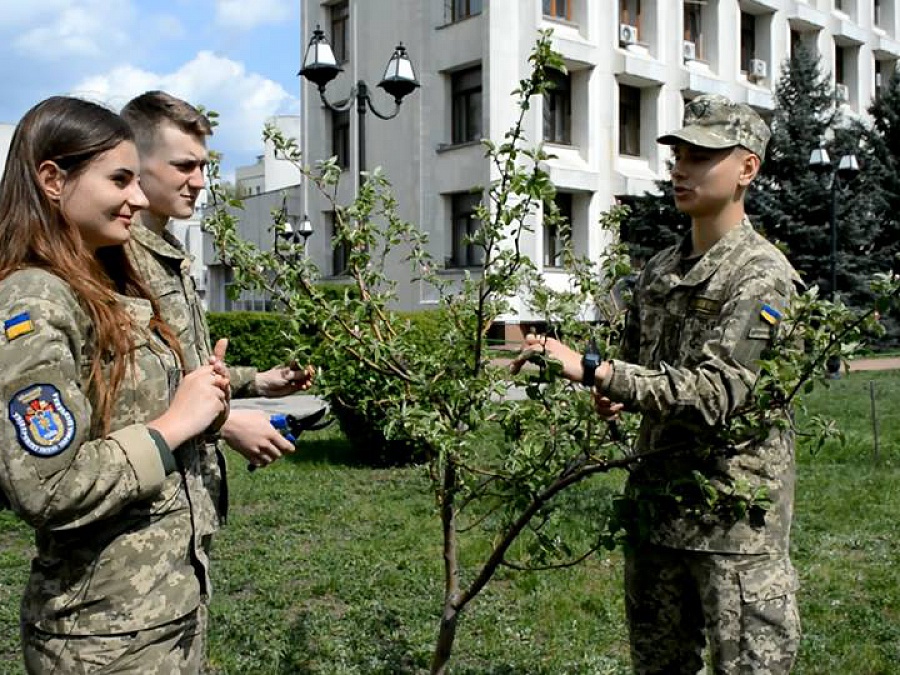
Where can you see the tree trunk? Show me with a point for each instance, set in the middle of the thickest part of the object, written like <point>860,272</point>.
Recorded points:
<point>446,637</point>
<point>447,631</point>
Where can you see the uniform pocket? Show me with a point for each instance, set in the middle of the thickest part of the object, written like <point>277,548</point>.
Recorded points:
<point>768,581</point>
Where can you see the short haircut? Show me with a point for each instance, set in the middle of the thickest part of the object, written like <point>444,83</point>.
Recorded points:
<point>149,111</point>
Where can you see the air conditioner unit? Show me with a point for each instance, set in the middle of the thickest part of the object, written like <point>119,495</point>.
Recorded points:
<point>841,93</point>
<point>628,35</point>
<point>759,69</point>
<point>689,50</point>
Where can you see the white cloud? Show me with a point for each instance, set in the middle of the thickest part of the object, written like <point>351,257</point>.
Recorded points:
<point>245,15</point>
<point>61,30</point>
<point>243,99</point>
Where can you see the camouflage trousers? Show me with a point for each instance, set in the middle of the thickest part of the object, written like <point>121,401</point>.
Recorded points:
<point>175,648</point>
<point>742,607</point>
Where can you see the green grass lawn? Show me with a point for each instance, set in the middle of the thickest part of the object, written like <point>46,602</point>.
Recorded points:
<point>329,568</point>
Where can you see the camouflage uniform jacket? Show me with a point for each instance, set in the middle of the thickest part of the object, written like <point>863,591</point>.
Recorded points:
<point>116,543</point>
<point>165,266</point>
<point>692,341</point>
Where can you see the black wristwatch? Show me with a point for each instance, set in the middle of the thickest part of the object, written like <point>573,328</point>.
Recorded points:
<point>590,360</point>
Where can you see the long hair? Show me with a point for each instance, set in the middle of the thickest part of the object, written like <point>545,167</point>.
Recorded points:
<point>33,233</point>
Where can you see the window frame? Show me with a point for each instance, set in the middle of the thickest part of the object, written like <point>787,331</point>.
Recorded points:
<point>463,93</point>
<point>339,254</point>
<point>625,14</point>
<point>694,33</point>
<point>457,10</point>
<point>554,235</point>
<point>340,138</point>
<point>557,124</point>
<point>748,39</point>
<point>340,25</point>
<point>463,207</point>
<point>630,133</point>
<point>557,9</point>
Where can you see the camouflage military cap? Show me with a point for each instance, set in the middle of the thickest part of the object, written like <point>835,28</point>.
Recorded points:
<point>713,121</point>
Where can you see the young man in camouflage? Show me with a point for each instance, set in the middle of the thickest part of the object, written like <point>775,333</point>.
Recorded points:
<point>171,140</point>
<point>701,315</point>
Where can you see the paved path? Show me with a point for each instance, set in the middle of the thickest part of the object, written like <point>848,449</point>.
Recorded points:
<point>887,363</point>
<point>297,404</point>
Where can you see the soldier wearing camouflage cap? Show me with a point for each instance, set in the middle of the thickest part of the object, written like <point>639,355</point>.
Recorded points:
<point>715,122</point>
<point>701,315</point>
<point>101,431</point>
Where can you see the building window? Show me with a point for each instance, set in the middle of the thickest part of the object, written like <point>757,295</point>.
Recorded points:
<point>556,234</point>
<point>840,55</point>
<point>558,108</point>
<point>462,9</point>
<point>693,25</point>
<point>876,12</point>
<point>340,138</point>
<point>629,121</point>
<point>340,31</point>
<point>465,88</point>
<point>630,14</point>
<point>464,224</point>
<point>880,81</point>
<point>340,252</point>
<point>558,9</point>
<point>748,40</point>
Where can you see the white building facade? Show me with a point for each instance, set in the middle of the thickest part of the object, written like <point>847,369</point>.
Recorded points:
<point>631,66</point>
<point>270,172</point>
<point>269,184</point>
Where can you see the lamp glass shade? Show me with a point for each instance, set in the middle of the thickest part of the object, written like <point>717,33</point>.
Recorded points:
<point>819,159</point>
<point>305,227</point>
<point>848,166</point>
<point>319,65</point>
<point>399,76</point>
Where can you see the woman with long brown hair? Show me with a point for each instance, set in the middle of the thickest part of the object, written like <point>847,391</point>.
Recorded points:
<point>98,431</point>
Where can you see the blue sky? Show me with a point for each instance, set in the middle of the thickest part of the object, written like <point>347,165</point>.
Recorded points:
<point>238,57</point>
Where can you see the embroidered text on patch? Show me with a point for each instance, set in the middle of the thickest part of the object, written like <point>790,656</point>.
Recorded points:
<point>44,426</point>
<point>18,325</point>
<point>770,314</point>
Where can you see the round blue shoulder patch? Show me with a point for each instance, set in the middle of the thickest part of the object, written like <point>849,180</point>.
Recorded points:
<point>44,425</point>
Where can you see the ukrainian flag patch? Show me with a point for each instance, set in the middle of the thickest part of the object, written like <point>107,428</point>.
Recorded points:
<point>18,326</point>
<point>770,315</point>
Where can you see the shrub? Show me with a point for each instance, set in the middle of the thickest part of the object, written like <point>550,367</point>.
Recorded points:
<point>359,395</point>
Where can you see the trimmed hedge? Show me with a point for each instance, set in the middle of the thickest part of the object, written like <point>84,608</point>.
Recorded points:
<point>261,339</point>
<point>256,339</point>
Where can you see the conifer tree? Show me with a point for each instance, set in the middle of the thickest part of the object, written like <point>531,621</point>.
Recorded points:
<point>791,202</point>
<point>881,166</point>
<point>881,163</point>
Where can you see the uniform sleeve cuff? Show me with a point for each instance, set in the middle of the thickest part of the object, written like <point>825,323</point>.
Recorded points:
<point>165,452</point>
<point>143,455</point>
<point>243,382</point>
<point>618,385</point>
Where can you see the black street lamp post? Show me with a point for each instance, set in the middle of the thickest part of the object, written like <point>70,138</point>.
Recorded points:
<point>320,67</point>
<point>845,171</point>
<point>292,228</point>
